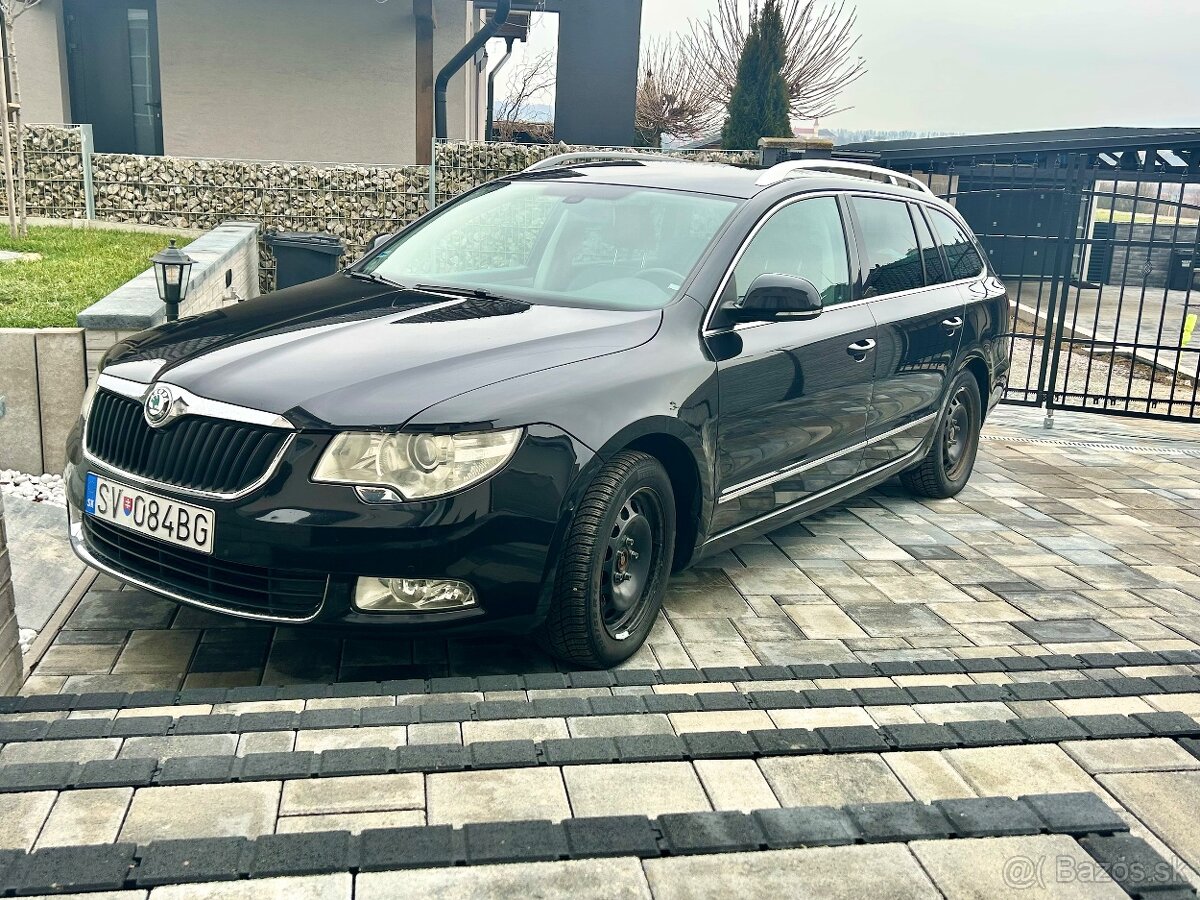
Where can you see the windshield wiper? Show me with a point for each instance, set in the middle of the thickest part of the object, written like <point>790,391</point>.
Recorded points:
<point>475,292</point>
<point>372,277</point>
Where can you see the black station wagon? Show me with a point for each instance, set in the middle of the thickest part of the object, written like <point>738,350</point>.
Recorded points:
<point>529,407</point>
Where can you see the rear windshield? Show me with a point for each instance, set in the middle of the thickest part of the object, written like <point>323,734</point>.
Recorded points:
<point>599,245</point>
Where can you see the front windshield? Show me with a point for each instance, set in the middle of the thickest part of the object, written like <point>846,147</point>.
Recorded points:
<point>598,245</point>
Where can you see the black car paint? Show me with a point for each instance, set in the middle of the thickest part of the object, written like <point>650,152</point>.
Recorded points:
<point>344,353</point>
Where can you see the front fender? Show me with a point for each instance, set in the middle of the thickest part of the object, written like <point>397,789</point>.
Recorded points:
<point>606,403</point>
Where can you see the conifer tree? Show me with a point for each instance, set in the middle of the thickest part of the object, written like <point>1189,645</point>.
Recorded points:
<point>759,106</point>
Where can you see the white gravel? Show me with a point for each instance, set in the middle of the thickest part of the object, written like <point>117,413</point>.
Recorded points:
<point>38,488</point>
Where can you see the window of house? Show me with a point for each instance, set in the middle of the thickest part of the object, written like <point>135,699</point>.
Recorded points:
<point>893,258</point>
<point>804,239</point>
<point>961,254</point>
<point>935,271</point>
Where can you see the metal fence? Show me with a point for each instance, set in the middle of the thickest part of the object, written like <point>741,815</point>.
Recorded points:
<point>1102,267</point>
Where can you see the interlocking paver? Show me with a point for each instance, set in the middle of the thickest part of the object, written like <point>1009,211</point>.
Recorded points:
<point>1050,866</point>
<point>586,879</point>
<point>293,887</point>
<point>355,823</point>
<point>832,780</point>
<point>496,796</point>
<point>927,775</point>
<point>23,816</point>
<point>634,789</point>
<point>735,784</point>
<point>85,817</point>
<point>1166,802</point>
<point>1013,771</point>
<point>834,872</point>
<point>1135,755</point>
<point>345,794</point>
<point>207,810</point>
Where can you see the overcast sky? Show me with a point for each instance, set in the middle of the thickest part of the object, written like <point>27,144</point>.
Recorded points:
<point>1004,65</point>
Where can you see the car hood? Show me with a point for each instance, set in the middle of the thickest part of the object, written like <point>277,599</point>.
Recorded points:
<point>343,352</point>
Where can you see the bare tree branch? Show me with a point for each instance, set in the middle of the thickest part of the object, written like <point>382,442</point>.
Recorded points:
<point>16,7</point>
<point>673,97</point>
<point>820,60</point>
<point>524,85</point>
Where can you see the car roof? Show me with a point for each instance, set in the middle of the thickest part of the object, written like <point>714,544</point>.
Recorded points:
<point>710,178</point>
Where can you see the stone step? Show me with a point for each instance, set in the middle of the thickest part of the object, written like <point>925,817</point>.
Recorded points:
<point>898,672</point>
<point>900,848</point>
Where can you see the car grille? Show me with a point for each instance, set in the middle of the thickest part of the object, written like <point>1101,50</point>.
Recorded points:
<point>197,453</point>
<point>230,586</point>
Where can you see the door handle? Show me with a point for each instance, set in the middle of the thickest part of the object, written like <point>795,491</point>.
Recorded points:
<point>953,324</point>
<point>860,349</point>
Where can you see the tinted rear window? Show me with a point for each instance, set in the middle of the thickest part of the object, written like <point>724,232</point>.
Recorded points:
<point>892,257</point>
<point>960,252</point>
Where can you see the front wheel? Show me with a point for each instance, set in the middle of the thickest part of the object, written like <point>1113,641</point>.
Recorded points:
<point>615,564</point>
<point>947,466</point>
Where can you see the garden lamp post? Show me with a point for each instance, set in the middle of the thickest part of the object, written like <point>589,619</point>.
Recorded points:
<point>172,270</point>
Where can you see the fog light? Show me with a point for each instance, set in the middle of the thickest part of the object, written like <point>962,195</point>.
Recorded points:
<point>412,595</point>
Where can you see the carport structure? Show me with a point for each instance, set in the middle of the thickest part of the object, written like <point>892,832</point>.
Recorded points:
<point>597,77</point>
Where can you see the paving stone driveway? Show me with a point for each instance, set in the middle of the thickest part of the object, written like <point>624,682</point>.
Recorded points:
<point>1051,548</point>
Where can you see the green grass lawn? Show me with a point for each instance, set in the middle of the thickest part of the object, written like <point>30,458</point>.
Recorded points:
<point>78,267</point>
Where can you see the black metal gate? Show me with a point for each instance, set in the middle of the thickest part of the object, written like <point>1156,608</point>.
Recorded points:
<point>1101,255</point>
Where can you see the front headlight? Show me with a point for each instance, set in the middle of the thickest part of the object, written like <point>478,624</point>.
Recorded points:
<point>416,466</point>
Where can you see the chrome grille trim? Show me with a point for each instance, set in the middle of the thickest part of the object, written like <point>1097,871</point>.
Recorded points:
<point>198,407</point>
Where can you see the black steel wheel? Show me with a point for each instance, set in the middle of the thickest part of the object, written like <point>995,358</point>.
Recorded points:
<point>614,567</point>
<point>946,468</point>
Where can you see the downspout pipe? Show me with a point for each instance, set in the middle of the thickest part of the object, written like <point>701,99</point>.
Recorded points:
<point>469,49</point>
<point>491,98</point>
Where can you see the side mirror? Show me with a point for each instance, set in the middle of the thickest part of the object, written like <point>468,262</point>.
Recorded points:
<point>380,239</point>
<point>776,298</point>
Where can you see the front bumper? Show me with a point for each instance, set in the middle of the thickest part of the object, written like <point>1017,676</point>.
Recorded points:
<point>291,536</point>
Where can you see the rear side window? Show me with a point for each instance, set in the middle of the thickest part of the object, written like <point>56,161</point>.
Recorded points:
<point>803,239</point>
<point>935,271</point>
<point>893,258</point>
<point>960,252</point>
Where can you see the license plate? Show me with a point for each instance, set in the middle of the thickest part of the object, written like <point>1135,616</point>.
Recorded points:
<point>166,520</point>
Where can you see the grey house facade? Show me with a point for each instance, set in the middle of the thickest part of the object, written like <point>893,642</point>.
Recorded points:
<point>320,80</point>
<point>315,80</point>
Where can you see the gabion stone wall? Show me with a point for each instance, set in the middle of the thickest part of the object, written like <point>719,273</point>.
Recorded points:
<point>462,165</point>
<point>353,202</point>
<point>53,172</point>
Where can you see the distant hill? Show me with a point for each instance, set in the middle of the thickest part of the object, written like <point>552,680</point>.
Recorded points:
<point>841,136</point>
<point>535,112</point>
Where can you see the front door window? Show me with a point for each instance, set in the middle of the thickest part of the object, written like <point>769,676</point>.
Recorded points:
<point>804,239</point>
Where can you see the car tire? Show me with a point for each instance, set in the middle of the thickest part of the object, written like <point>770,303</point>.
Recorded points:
<point>614,566</point>
<point>945,469</point>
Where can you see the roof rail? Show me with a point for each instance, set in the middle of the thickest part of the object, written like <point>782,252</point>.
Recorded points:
<point>564,159</point>
<point>791,168</point>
